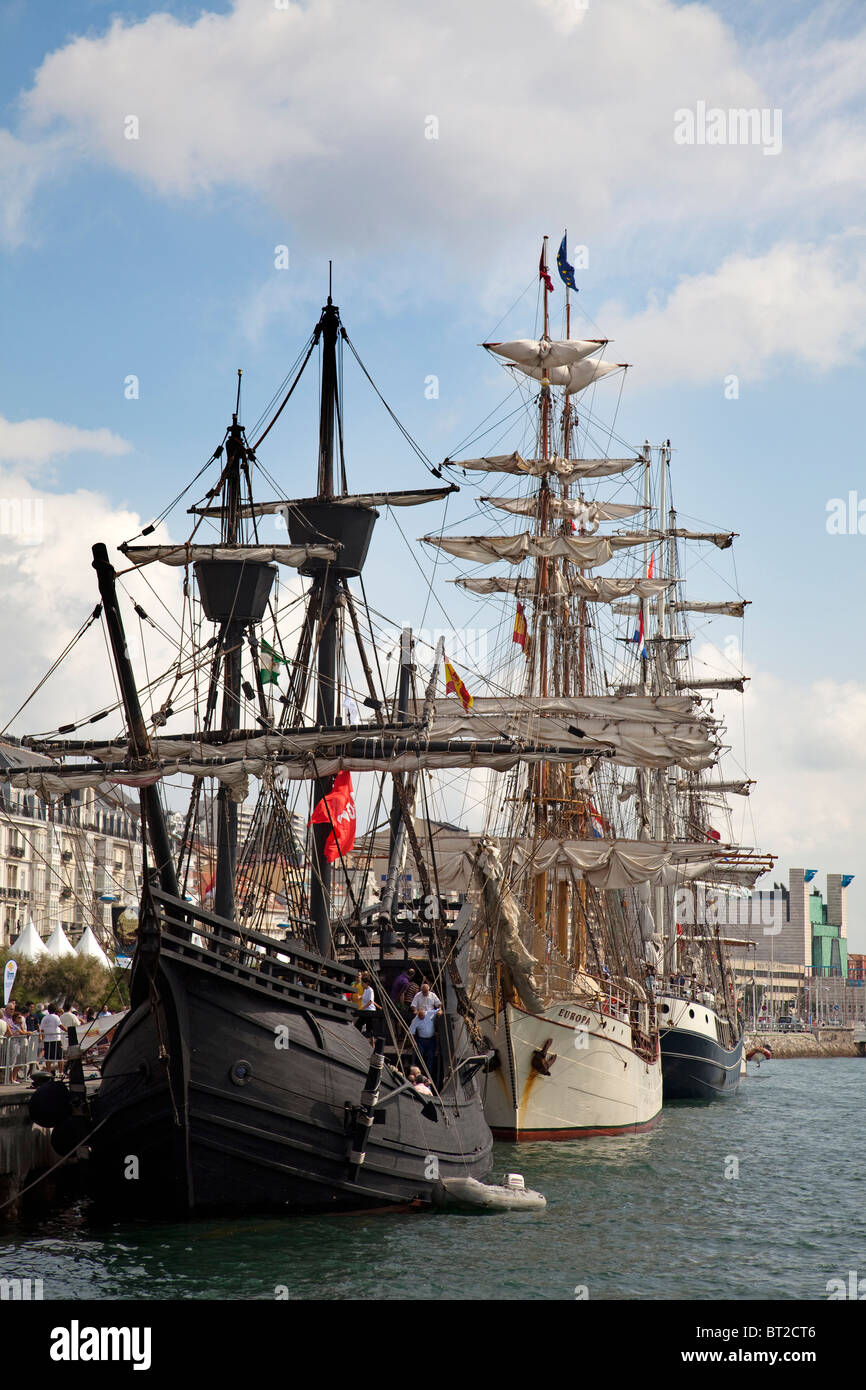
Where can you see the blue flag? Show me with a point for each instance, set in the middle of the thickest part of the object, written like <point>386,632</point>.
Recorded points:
<point>566,271</point>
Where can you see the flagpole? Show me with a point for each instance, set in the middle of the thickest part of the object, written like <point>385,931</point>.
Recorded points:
<point>567,293</point>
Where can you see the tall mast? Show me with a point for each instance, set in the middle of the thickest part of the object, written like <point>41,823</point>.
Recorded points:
<point>328,585</point>
<point>139,743</point>
<point>232,638</point>
<point>540,817</point>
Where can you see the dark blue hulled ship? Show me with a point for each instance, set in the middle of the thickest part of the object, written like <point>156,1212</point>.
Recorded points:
<point>702,1051</point>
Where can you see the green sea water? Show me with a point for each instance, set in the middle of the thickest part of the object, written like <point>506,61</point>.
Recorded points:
<point>756,1197</point>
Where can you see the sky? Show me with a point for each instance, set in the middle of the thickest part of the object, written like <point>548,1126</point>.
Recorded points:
<point>154,158</point>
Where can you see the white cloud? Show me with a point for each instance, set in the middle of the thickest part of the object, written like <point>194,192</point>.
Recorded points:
<point>39,441</point>
<point>24,165</point>
<point>802,304</point>
<point>321,109</point>
<point>48,588</point>
<point>805,744</point>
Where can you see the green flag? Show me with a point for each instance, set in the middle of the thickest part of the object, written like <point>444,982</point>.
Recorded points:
<point>271,662</point>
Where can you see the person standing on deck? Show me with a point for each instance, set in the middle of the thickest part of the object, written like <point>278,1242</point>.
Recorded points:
<point>426,1006</point>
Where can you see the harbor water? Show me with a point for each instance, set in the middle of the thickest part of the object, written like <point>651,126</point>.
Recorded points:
<point>756,1197</point>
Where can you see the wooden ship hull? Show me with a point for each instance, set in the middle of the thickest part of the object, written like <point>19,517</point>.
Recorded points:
<point>243,1090</point>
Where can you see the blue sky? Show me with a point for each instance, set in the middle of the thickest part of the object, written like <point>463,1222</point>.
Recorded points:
<point>304,125</point>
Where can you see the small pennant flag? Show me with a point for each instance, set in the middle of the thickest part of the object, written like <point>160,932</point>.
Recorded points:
<point>455,686</point>
<point>269,664</point>
<point>520,635</point>
<point>566,271</point>
<point>337,809</point>
<point>713,835</point>
<point>637,638</point>
<point>543,272</point>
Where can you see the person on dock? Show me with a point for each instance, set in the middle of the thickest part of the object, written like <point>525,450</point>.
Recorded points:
<point>50,1031</point>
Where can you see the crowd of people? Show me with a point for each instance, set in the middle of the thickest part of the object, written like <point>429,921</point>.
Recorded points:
<point>51,1023</point>
<point>416,1004</point>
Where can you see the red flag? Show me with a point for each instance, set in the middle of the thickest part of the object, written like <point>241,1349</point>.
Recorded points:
<point>649,573</point>
<point>337,809</point>
<point>520,635</point>
<point>455,686</point>
<point>542,271</point>
<point>713,835</point>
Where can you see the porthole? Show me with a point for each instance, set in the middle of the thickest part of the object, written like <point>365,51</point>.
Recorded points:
<point>691,1013</point>
<point>666,1008</point>
<point>706,1018</point>
<point>241,1073</point>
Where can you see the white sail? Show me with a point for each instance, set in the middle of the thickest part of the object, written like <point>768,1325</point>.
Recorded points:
<point>600,590</point>
<point>741,788</point>
<point>723,539</point>
<point>586,551</point>
<point>547,352</point>
<point>603,863</point>
<point>187,554</point>
<point>558,467</point>
<point>355,499</point>
<point>583,513</point>
<point>650,709</point>
<point>574,379</point>
<point>730,610</point>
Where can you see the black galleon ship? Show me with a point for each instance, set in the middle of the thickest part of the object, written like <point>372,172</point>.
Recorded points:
<point>239,1079</point>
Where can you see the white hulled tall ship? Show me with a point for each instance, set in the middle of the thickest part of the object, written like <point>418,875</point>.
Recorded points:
<point>579,860</point>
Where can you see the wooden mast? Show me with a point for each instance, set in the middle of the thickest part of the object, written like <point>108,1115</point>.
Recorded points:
<point>541,809</point>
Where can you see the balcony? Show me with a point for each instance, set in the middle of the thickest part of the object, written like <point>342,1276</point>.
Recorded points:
<point>17,851</point>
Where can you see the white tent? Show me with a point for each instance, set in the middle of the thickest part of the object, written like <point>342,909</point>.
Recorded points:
<point>90,949</point>
<point>29,945</point>
<point>58,943</point>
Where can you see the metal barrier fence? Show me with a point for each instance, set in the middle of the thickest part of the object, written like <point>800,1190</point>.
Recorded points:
<point>19,1055</point>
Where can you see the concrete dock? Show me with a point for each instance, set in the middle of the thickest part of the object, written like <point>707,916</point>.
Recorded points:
<point>816,1042</point>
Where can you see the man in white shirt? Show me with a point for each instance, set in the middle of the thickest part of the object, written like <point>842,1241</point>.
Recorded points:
<point>50,1030</point>
<point>426,1006</point>
<point>425,999</point>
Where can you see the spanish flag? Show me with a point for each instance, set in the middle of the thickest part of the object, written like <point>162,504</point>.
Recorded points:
<point>520,635</point>
<point>455,686</point>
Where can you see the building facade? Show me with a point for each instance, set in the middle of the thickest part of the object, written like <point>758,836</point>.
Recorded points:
<point>58,861</point>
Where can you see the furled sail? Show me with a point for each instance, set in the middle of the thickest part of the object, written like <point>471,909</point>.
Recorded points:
<point>187,554</point>
<point>411,498</point>
<point>730,610</point>
<point>582,513</point>
<point>586,551</point>
<point>501,914</point>
<point>603,863</point>
<point>601,590</point>
<point>723,539</point>
<point>741,788</point>
<point>734,683</point>
<point>547,352</point>
<point>562,468</point>
<point>235,772</point>
<point>734,609</point>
